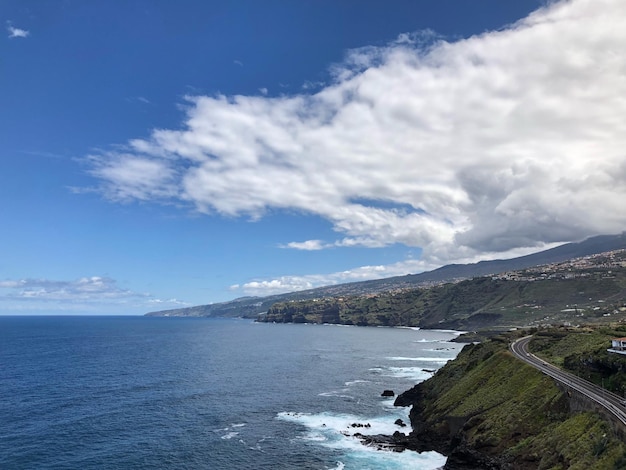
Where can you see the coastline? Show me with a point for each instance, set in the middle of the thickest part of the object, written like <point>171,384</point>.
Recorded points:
<point>486,409</point>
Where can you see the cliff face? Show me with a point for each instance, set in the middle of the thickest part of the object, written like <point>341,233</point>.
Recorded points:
<point>488,410</point>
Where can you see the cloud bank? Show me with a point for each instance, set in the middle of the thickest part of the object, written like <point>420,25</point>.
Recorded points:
<point>501,141</point>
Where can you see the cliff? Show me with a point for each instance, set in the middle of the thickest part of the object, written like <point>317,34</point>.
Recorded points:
<point>488,410</point>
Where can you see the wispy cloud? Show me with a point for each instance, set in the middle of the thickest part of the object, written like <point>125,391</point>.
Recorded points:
<point>309,245</point>
<point>136,177</point>
<point>139,99</point>
<point>16,32</point>
<point>86,288</point>
<point>93,290</point>
<point>168,302</point>
<point>282,284</point>
<point>482,145</point>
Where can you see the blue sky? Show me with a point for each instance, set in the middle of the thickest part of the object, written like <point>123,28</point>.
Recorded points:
<point>158,154</point>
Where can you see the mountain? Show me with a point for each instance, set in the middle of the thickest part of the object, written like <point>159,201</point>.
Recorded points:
<point>250,307</point>
<point>585,289</point>
<point>590,246</point>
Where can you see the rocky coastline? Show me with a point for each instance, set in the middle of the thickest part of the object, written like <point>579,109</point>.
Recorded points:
<point>486,410</point>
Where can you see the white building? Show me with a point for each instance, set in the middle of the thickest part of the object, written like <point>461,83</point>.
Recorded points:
<point>618,345</point>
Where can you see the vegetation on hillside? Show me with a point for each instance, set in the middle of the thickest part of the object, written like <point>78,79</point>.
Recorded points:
<point>583,351</point>
<point>250,307</point>
<point>488,401</point>
<point>523,298</point>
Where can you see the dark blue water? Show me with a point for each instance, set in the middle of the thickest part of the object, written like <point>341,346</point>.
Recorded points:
<point>140,393</point>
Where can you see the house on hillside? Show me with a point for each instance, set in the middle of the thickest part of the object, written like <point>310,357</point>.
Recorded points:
<point>618,345</point>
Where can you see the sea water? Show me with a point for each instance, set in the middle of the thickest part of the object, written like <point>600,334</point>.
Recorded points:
<point>195,393</point>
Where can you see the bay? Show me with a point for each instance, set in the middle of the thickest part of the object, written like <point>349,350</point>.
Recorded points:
<point>149,392</point>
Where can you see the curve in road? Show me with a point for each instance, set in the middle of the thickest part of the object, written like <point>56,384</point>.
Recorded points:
<point>612,402</point>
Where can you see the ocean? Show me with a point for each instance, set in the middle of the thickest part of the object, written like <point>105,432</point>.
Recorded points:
<point>199,393</point>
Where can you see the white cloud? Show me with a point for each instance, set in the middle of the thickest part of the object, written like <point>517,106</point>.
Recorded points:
<point>168,302</point>
<point>86,288</point>
<point>508,139</point>
<point>275,286</point>
<point>11,284</point>
<point>85,291</point>
<point>309,245</point>
<point>362,273</point>
<point>16,32</point>
<point>139,99</point>
<point>126,177</point>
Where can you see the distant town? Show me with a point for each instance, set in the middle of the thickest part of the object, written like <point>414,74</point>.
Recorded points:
<point>600,264</point>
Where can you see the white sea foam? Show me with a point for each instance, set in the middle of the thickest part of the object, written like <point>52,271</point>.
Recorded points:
<point>336,393</point>
<point>388,404</point>
<point>452,332</point>
<point>258,446</point>
<point>354,382</point>
<point>315,436</point>
<point>443,360</point>
<point>229,431</point>
<point>416,374</point>
<point>373,459</point>
<point>333,425</point>
<point>336,431</point>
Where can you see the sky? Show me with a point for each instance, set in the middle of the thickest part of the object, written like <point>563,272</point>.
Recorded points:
<point>158,154</point>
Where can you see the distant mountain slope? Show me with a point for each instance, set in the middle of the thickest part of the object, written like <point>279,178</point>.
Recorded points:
<point>250,307</point>
<point>559,254</point>
<point>554,293</point>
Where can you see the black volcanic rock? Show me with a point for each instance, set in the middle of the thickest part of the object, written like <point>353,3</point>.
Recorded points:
<point>398,442</point>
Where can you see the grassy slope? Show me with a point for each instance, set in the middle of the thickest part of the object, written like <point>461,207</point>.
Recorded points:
<point>515,412</point>
<point>583,351</point>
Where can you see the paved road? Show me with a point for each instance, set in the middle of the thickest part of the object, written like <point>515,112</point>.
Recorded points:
<point>612,402</point>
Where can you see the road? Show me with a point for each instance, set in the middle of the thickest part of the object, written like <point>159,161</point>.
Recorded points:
<point>613,403</point>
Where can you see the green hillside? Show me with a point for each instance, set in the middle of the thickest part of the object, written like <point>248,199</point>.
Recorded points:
<point>488,409</point>
<point>594,291</point>
<point>583,351</point>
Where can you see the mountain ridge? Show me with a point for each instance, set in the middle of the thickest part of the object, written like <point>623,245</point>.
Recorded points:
<point>251,307</point>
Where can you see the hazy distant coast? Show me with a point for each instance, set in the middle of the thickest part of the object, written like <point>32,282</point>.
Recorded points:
<point>575,282</point>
